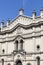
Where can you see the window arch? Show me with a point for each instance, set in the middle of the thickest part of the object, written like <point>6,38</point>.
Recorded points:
<point>9,64</point>
<point>21,42</point>
<point>38,60</point>
<point>19,45</point>
<point>18,62</point>
<point>16,42</point>
<point>2,61</point>
<point>28,64</point>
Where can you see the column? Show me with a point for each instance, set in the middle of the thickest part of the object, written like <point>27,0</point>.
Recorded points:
<point>19,46</point>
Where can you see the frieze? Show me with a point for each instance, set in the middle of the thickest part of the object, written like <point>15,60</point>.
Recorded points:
<point>24,36</point>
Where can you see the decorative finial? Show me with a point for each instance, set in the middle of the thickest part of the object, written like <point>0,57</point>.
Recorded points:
<point>2,24</point>
<point>41,13</point>
<point>41,9</point>
<point>21,11</point>
<point>34,14</point>
<point>8,22</point>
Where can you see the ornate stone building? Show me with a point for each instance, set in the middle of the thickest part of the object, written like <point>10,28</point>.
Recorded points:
<point>21,41</point>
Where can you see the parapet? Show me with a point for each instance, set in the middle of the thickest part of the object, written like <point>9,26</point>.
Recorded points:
<point>21,12</point>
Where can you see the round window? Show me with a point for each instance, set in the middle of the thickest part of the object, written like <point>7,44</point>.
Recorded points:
<point>38,47</point>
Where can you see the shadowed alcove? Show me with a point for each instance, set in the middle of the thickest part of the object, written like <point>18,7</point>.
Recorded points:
<point>18,62</point>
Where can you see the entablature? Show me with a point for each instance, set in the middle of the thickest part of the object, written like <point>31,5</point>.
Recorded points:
<point>24,36</point>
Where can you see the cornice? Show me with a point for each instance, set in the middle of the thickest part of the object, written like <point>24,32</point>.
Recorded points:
<point>1,55</point>
<point>28,36</point>
<point>34,53</point>
<point>22,26</point>
<point>23,53</point>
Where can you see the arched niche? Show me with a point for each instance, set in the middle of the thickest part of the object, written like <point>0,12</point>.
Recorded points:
<point>28,64</point>
<point>2,61</point>
<point>18,62</point>
<point>38,60</point>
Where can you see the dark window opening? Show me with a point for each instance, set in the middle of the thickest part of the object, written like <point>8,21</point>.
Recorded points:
<point>18,62</point>
<point>21,41</point>
<point>3,51</point>
<point>2,61</point>
<point>38,60</point>
<point>38,47</point>
<point>9,64</point>
<point>28,64</point>
<point>16,41</point>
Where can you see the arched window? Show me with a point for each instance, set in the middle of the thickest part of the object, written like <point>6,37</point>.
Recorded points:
<point>9,64</point>
<point>28,64</point>
<point>19,45</point>
<point>38,60</point>
<point>21,41</point>
<point>18,62</point>
<point>2,61</point>
<point>16,42</point>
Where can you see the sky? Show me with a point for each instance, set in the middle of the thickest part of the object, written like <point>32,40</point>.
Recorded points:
<point>10,8</point>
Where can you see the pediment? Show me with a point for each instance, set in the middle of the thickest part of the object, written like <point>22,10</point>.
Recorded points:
<point>18,37</point>
<point>21,20</point>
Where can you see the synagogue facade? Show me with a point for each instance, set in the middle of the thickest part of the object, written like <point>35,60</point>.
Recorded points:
<point>21,41</point>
